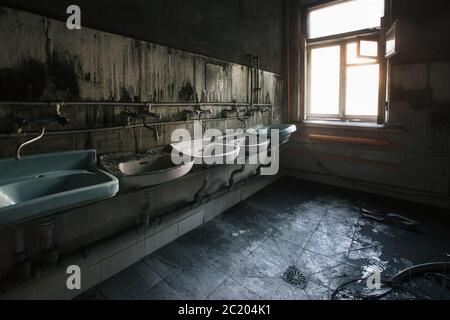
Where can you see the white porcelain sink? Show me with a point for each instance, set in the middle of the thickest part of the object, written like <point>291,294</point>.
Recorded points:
<point>249,144</point>
<point>144,170</point>
<point>205,152</point>
<point>284,131</point>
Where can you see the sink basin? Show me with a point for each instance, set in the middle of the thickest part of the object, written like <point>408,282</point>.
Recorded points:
<point>249,144</point>
<point>285,131</point>
<point>144,170</point>
<point>41,185</point>
<point>205,152</point>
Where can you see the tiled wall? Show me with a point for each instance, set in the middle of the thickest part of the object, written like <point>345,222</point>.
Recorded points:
<point>43,61</point>
<point>108,258</point>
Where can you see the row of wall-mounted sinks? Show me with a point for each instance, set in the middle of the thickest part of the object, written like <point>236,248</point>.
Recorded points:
<point>39,186</point>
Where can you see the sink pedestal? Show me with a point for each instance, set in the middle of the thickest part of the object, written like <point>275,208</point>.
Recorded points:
<point>22,267</point>
<point>145,210</point>
<point>50,253</point>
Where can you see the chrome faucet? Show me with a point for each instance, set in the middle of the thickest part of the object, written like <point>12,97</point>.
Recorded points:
<point>152,128</point>
<point>144,115</point>
<point>200,113</point>
<point>22,121</point>
<point>23,144</point>
<point>238,112</point>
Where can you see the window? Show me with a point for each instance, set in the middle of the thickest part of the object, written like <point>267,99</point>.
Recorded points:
<point>343,58</point>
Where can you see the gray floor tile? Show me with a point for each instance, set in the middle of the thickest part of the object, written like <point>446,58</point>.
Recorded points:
<point>260,276</point>
<point>293,231</point>
<point>196,279</point>
<point>230,289</point>
<point>279,251</point>
<point>288,292</point>
<point>332,225</point>
<point>312,263</point>
<point>161,291</point>
<point>161,266</point>
<point>330,245</point>
<point>129,284</point>
<point>244,253</point>
<point>223,253</point>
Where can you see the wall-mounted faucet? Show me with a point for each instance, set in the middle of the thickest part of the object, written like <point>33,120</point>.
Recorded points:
<point>238,112</point>
<point>22,121</point>
<point>199,113</point>
<point>144,114</point>
<point>152,128</point>
<point>225,112</point>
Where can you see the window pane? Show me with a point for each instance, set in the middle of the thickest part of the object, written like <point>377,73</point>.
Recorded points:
<point>391,38</point>
<point>368,48</point>
<point>362,90</point>
<point>325,75</point>
<point>352,55</point>
<point>345,17</point>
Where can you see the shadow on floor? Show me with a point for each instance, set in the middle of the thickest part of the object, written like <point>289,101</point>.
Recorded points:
<point>244,253</point>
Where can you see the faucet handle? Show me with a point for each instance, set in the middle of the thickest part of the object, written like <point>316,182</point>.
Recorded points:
<point>63,121</point>
<point>17,119</point>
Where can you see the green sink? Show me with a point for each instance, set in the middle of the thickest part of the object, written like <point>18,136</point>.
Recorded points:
<point>37,186</point>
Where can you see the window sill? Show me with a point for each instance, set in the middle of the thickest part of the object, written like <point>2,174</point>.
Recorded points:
<point>350,125</point>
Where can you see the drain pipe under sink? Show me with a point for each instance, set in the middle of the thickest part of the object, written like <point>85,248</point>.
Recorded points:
<point>232,181</point>
<point>199,193</point>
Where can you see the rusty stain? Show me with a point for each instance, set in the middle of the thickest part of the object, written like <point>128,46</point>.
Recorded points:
<point>103,66</point>
<point>25,82</point>
<point>186,93</point>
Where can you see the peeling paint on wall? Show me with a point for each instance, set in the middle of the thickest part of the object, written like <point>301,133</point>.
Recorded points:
<point>44,61</point>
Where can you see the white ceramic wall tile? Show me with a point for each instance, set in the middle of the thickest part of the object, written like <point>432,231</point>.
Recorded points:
<point>55,274</point>
<point>221,205</point>
<point>190,223</point>
<point>251,188</point>
<point>122,260</point>
<point>113,246</point>
<point>161,238</point>
<point>89,278</point>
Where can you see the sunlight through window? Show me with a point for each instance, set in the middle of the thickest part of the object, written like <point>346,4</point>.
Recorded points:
<point>325,73</point>
<point>346,16</point>
<point>343,74</point>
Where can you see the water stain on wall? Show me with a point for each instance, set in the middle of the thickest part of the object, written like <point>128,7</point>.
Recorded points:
<point>24,82</point>
<point>187,93</point>
<point>34,80</point>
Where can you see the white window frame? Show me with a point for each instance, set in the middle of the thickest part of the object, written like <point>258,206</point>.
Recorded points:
<point>342,40</point>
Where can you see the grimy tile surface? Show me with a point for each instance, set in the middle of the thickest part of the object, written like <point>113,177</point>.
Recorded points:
<point>244,253</point>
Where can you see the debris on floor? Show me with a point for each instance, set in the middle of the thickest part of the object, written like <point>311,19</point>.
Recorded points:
<point>301,242</point>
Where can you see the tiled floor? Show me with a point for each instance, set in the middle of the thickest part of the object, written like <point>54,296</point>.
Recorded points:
<point>244,253</point>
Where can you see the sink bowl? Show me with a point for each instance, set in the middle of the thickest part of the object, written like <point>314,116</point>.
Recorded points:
<point>205,152</point>
<point>144,170</point>
<point>285,131</point>
<point>249,144</point>
<point>41,185</point>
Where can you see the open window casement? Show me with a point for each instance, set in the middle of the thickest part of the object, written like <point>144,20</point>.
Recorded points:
<point>391,38</point>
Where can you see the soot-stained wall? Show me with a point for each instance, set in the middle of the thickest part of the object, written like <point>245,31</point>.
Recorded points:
<point>226,29</point>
